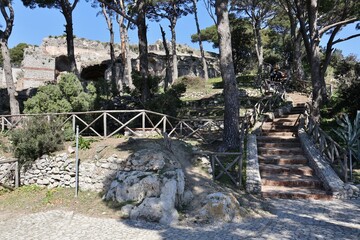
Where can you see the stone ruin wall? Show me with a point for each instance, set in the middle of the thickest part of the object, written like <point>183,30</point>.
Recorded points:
<point>40,64</point>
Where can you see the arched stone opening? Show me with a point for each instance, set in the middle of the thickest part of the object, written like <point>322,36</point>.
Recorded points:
<point>62,64</point>
<point>93,72</point>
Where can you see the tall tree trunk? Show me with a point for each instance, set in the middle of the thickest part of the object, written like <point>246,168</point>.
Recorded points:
<point>4,36</point>
<point>70,39</point>
<point>168,63</point>
<point>231,96</point>
<point>143,52</point>
<point>203,59</point>
<point>297,66</point>
<point>318,83</point>
<point>174,54</point>
<point>14,104</point>
<point>258,47</point>
<point>125,52</point>
<point>114,85</point>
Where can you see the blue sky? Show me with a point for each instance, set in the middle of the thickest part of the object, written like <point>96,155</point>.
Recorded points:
<point>32,25</point>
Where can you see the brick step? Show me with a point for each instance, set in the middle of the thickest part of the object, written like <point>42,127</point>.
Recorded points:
<point>291,116</point>
<point>283,160</point>
<point>279,144</point>
<point>286,169</point>
<point>277,139</point>
<point>278,150</point>
<point>294,193</point>
<point>275,134</point>
<point>279,128</point>
<point>283,121</point>
<point>294,180</point>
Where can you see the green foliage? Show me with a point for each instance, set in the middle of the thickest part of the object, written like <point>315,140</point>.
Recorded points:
<point>68,95</point>
<point>349,133</point>
<point>243,80</point>
<point>152,81</point>
<point>85,143</point>
<point>16,55</point>
<point>36,138</point>
<point>192,82</point>
<point>241,39</point>
<point>168,102</point>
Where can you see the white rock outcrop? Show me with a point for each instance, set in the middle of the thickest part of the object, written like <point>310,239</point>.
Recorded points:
<point>154,185</point>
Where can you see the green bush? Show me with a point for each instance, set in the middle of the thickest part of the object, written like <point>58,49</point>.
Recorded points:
<point>66,96</point>
<point>168,102</point>
<point>192,82</point>
<point>36,138</point>
<point>152,81</point>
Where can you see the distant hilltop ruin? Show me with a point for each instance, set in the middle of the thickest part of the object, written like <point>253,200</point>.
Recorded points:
<point>42,64</point>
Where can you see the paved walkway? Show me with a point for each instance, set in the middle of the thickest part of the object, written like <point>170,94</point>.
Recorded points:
<point>293,219</point>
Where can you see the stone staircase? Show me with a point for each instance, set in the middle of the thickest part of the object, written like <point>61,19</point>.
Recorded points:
<point>284,169</point>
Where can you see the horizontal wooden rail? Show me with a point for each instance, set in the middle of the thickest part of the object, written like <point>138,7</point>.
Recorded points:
<point>329,148</point>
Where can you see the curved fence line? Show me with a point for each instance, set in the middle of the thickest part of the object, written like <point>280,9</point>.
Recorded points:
<point>336,155</point>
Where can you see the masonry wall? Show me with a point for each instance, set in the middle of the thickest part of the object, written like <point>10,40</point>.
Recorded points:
<point>60,170</point>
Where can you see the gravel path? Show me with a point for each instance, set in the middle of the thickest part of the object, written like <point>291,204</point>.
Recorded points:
<point>293,219</point>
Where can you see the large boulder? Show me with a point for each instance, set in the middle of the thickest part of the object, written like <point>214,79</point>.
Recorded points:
<point>219,207</point>
<point>151,187</point>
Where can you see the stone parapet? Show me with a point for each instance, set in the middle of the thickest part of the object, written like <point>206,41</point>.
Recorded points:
<point>323,169</point>
<point>253,179</point>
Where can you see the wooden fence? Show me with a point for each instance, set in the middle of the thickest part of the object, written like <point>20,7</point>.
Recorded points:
<point>108,123</point>
<point>229,164</point>
<point>335,154</point>
<point>10,174</point>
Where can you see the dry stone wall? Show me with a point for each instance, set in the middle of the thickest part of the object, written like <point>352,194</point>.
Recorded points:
<point>59,171</point>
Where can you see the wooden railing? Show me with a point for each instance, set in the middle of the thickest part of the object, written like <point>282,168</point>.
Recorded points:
<point>10,174</point>
<point>266,104</point>
<point>228,164</point>
<point>329,148</point>
<point>107,123</point>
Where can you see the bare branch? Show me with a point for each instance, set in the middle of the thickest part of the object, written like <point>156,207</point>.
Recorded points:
<point>344,22</point>
<point>118,10</point>
<point>345,39</point>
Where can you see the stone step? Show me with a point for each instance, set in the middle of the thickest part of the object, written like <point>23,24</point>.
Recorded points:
<point>294,193</point>
<point>279,144</point>
<point>291,116</point>
<point>285,169</point>
<point>275,134</point>
<point>283,160</point>
<point>279,150</point>
<point>283,121</point>
<point>278,128</point>
<point>295,180</point>
<point>277,139</point>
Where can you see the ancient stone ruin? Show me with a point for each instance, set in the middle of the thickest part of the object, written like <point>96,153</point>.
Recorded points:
<point>43,63</point>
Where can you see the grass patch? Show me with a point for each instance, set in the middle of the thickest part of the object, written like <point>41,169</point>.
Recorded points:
<point>30,199</point>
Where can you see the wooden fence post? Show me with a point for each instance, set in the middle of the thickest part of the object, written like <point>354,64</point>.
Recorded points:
<point>17,174</point>
<point>164,123</point>
<point>143,121</point>
<point>212,159</point>
<point>74,122</point>
<point>105,125</point>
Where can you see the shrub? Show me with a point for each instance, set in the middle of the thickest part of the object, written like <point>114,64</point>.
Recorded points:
<point>66,96</point>
<point>192,82</point>
<point>35,139</point>
<point>168,102</point>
